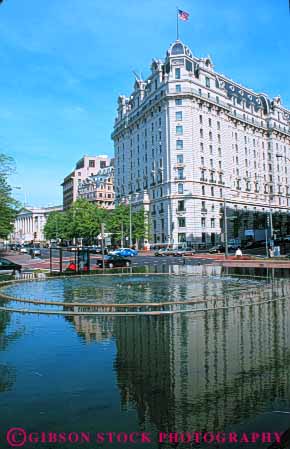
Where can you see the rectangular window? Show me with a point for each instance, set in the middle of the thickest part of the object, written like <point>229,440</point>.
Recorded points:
<point>180,158</point>
<point>180,173</point>
<point>179,130</point>
<point>178,101</point>
<point>179,144</point>
<point>178,115</point>
<point>180,206</point>
<point>180,188</point>
<point>177,74</point>
<point>181,222</point>
<point>212,222</point>
<point>182,237</point>
<point>91,163</point>
<point>207,81</point>
<point>178,88</point>
<point>203,222</point>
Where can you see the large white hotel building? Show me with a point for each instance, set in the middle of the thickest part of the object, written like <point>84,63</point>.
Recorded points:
<point>189,137</point>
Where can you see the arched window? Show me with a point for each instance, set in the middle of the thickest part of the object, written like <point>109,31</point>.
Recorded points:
<point>177,49</point>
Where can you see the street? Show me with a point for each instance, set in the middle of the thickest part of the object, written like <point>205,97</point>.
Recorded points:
<point>43,262</point>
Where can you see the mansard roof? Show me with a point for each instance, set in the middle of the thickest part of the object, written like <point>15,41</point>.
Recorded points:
<point>178,48</point>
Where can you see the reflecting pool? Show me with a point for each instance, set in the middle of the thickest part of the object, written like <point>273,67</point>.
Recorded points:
<point>207,370</point>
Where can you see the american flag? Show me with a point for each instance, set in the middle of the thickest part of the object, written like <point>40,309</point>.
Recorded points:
<point>183,15</point>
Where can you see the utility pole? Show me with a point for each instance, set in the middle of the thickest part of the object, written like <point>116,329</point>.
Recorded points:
<point>102,235</point>
<point>226,229</point>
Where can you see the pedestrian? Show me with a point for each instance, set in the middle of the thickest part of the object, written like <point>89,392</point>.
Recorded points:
<point>239,252</point>
<point>271,252</point>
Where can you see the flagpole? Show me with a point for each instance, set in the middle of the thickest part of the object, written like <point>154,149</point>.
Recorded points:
<point>177,24</point>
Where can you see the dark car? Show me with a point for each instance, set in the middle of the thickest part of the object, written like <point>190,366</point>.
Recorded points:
<point>7,265</point>
<point>217,249</point>
<point>113,261</point>
<point>97,249</point>
<point>254,244</point>
<point>34,252</point>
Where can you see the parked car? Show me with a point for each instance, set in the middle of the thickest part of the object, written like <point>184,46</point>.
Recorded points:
<point>96,249</point>
<point>255,244</point>
<point>164,252</point>
<point>184,252</point>
<point>34,252</point>
<point>23,250</point>
<point>14,246</point>
<point>217,249</point>
<point>113,261</point>
<point>7,266</point>
<point>125,252</point>
<point>93,249</point>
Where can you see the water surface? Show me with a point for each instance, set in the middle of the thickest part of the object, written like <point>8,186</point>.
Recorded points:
<point>205,371</point>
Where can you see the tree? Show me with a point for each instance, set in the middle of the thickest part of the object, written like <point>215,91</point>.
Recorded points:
<point>82,220</point>
<point>55,227</point>
<point>140,225</point>
<point>119,222</point>
<point>8,206</point>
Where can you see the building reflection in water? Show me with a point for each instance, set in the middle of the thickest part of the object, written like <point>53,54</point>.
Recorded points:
<point>7,371</point>
<point>206,370</point>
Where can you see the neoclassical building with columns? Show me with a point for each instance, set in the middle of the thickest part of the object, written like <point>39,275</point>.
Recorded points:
<point>30,222</point>
<point>189,137</point>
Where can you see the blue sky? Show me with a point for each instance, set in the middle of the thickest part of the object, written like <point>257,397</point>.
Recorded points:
<point>64,63</point>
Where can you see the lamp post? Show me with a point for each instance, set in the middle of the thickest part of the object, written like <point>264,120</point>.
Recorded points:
<point>130,221</point>
<point>226,229</point>
<point>129,197</point>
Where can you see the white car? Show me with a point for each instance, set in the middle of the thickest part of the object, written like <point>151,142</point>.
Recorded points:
<point>23,250</point>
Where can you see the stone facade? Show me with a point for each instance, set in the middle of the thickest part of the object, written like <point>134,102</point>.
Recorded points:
<point>30,222</point>
<point>85,167</point>
<point>188,138</point>
<point>99,188</point>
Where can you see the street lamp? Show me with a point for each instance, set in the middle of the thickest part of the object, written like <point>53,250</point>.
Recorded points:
<point>130,221</point>
<point>226,229</point>
<point>130,218</point>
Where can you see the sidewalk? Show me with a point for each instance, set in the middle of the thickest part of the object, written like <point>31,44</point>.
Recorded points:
<point>255,263</point>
